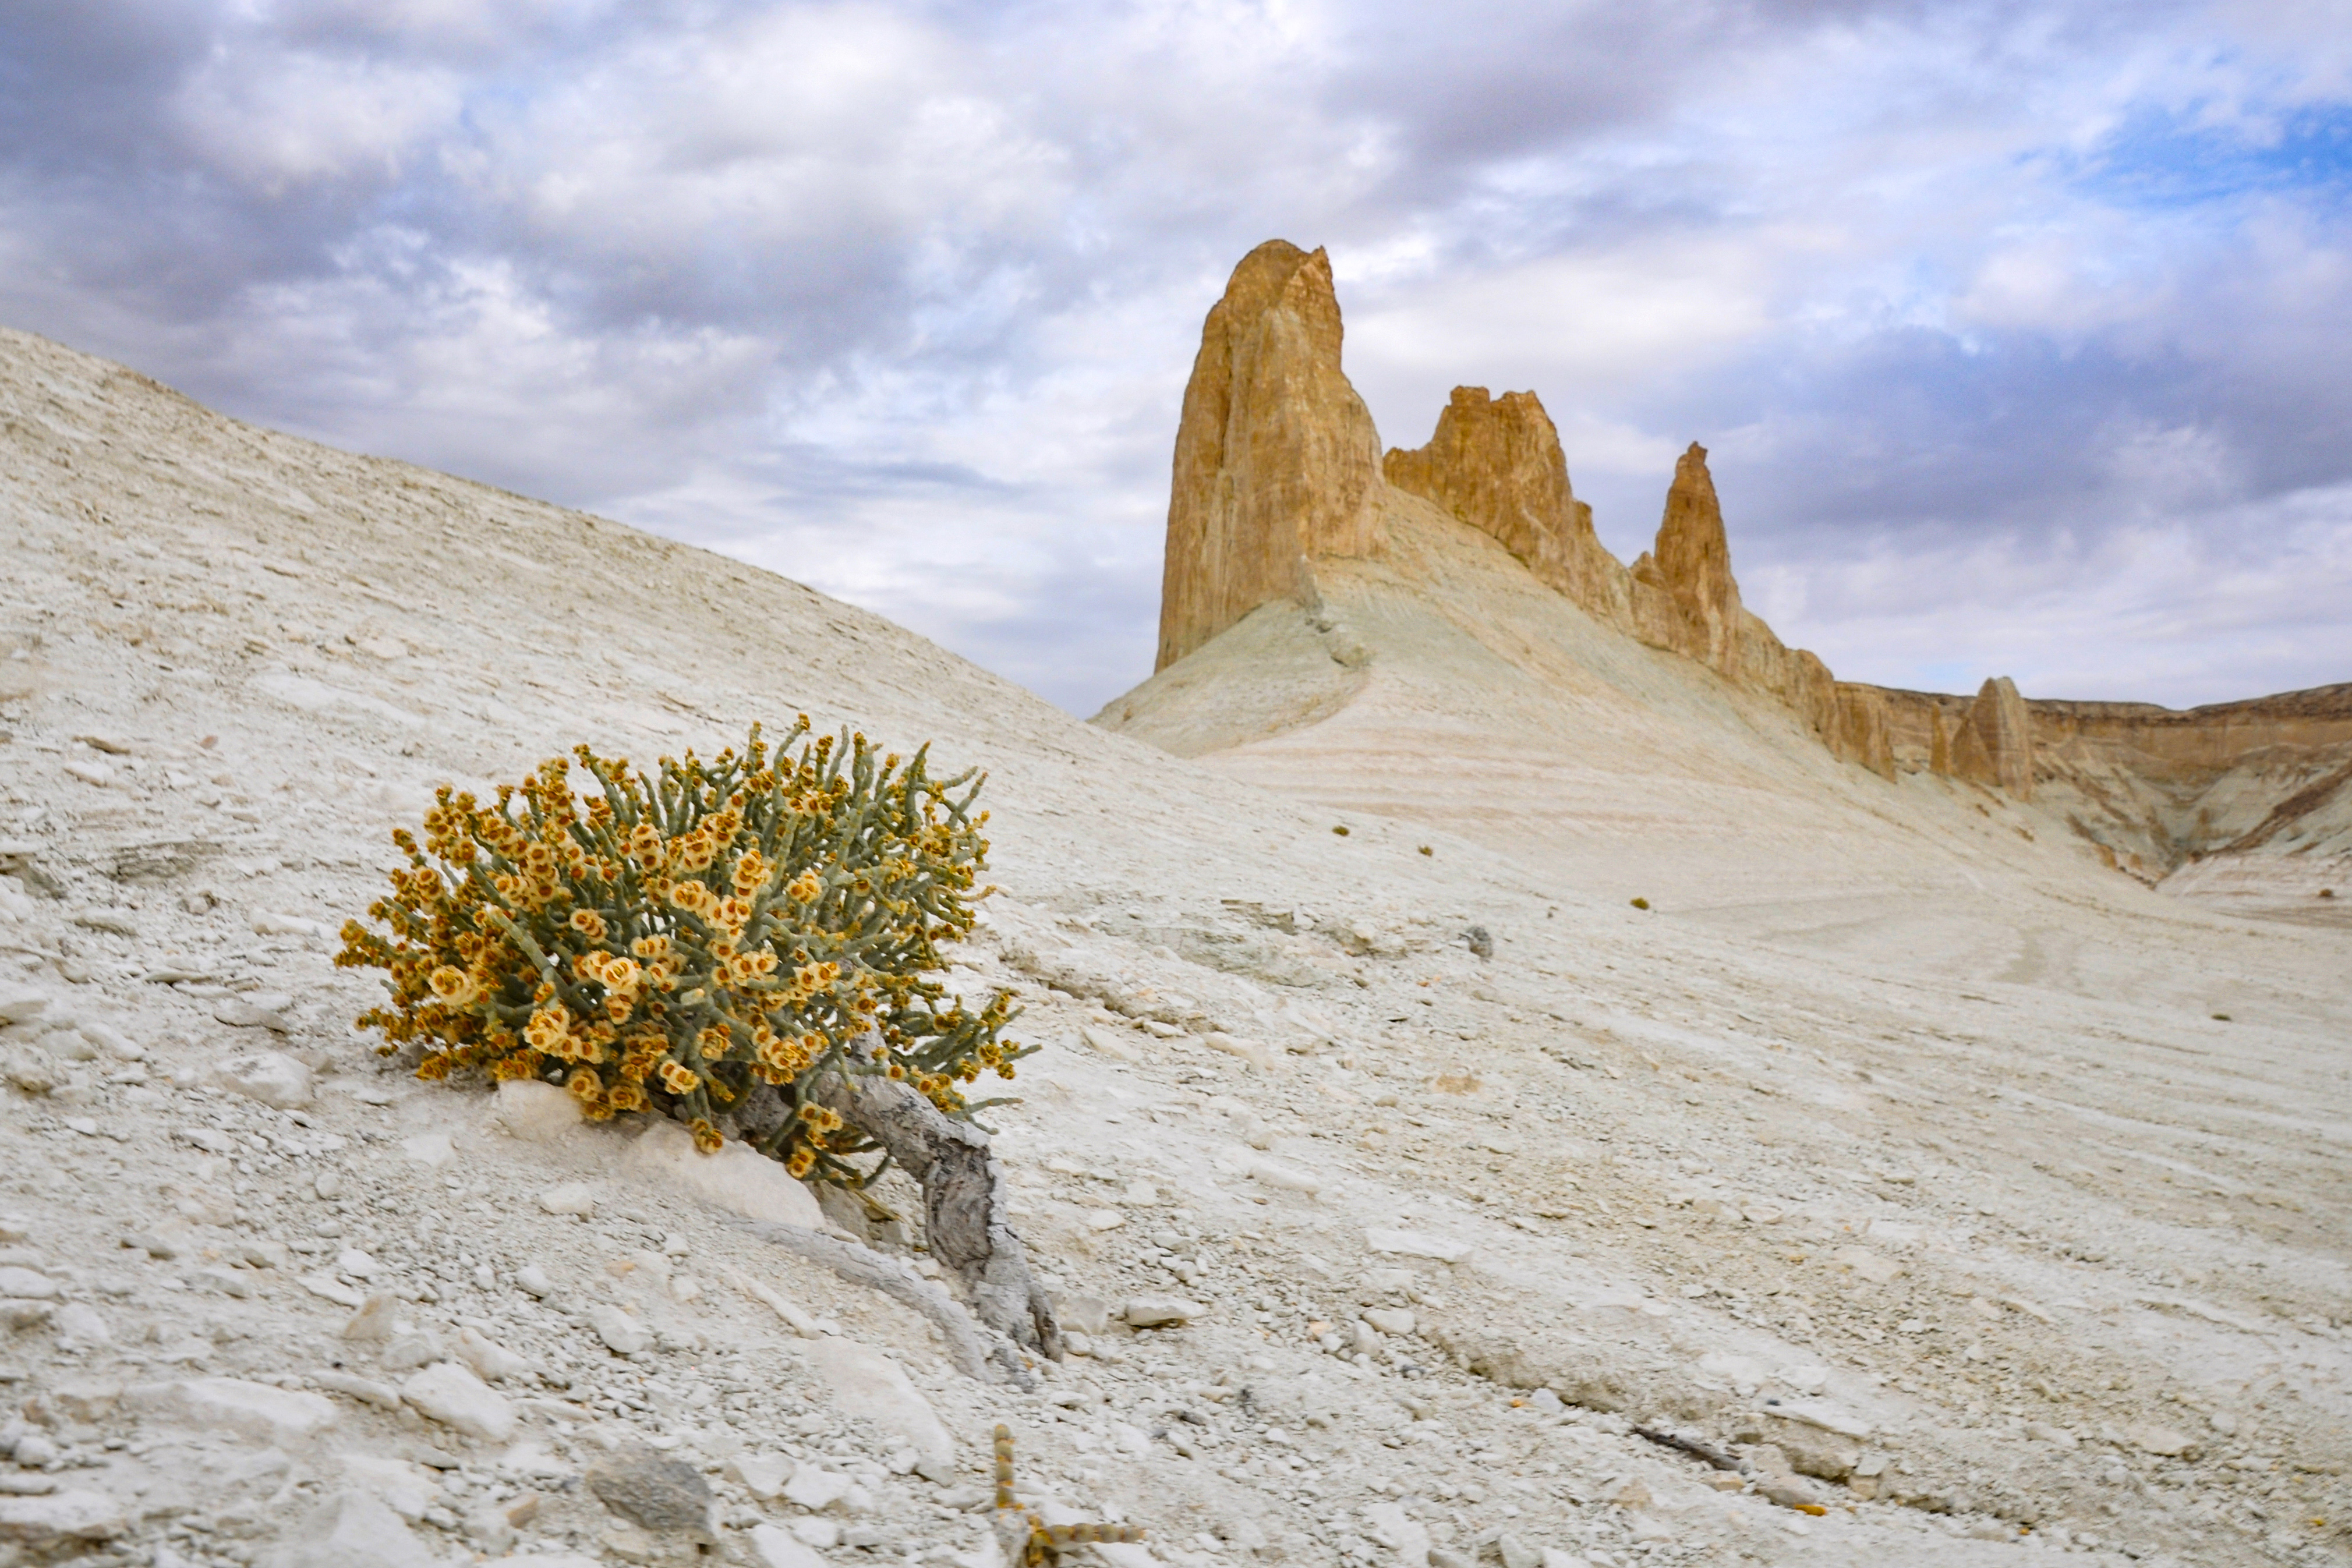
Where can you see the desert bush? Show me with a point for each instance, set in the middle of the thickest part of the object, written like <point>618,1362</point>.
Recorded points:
<point>685,943</point>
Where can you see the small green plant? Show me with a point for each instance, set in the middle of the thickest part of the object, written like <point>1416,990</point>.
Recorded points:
<point>1640,904</point>
<point>670,944</point>
<point>1342,832</point>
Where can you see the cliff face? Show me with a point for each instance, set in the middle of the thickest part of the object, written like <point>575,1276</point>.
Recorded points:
<point>1277,465</point>
<point>1276,455</point>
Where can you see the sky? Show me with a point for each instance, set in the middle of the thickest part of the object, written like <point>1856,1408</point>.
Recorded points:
<point>2018,332</point>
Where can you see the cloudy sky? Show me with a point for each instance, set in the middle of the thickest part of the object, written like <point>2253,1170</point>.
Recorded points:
<point>2019,332</point>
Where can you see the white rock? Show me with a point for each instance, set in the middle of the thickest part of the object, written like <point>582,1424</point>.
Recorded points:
<point>1561,1557</point>
<point>97,775</point>
<point>429,1148</point>
<point>1105,1220</point>
<point>19,1004</point>
<point>382,1394</point>
<point>83,1325</point>
<point>533,1279</point>
<point>1109,1045</point>
<point>1255,1055</point>
<point>26,1284</point>
<point>1284,1177</point>
<point>353,1529</point>
<point>267,925</point>
<point>815,1486</point>
<point>1158,1311</point>
<point>736,1178</point>
<point>870,1382</point>
<point>1390,1319</point>
<point>1139,1195</point>
<point>1400,1532</point>
<point>575,1198</point>
<point>272,1077</point>
<point>327,1288</point>
<point>761,1475</point>
<point>622,1334</point>
<point>815,1530</point>
<point>1417,1244</point>
<point>256,1010</point>
<point>77,1513</point>
<point>376,1318</point>
<point>533,1112</point>
<point>491,1361</point>
<point>778,1548</point>
<point>281,1416</point>
<point>448,1392</point>
<point>407,1489</point>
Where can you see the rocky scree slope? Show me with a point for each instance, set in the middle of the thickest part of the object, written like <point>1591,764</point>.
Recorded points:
<point>1378,1245</point>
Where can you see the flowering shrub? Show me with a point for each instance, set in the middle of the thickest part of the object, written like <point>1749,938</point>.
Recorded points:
<point>671,943</point>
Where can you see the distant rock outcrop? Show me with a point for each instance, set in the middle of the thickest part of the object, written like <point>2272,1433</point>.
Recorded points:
<point>1277,465</point>
<point>1995,743</point>
<point>1692,561</point>
<point>1276,455</point>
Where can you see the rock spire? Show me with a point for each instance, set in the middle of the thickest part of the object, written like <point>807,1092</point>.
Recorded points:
<point>1995,743</point>
<point>1276,459</point>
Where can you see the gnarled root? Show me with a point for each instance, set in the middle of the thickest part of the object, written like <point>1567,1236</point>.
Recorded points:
<point>965,1201</point>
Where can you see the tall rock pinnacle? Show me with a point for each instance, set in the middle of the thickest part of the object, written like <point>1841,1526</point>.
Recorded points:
<point>1276,459</point>
<point>1995,743</point>
<point>1694,563</point>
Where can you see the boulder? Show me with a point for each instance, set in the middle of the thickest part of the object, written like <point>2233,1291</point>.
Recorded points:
<point>736,1178</point>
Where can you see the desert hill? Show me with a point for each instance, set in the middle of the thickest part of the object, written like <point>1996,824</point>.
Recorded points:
<point>1283,498</point>
<point>1387,1193</point>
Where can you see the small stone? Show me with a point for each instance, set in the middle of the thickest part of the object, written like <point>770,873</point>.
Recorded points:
<point>31,1071</point>
<point>257,1009</point>
<point>815,1530</point>
<point>381,1395</point>
<point>653,1490</point>
<point>353,1529</point>
<point>408,1350</point>
<point>87,1399</point>
<point>2162,1441</point>
<point>20,1005</point>
<point>357,1264</point>
<point>1105,1220</point>
<point>429,1148</point>
<point>34,1451</point>
<point>776,1547</point>
<point>1399,1531</point>
<point>1390,1319</point>
<point>622,1334</point>
<point>491,1361</point>
<point>575,1198</point>
<point>448,1392</point>
<point>761,1475</point>
<point>1081,1315</point>
<point>532,1280</point>
<point>864,1380</point>
<point>374,1319</point>
<point>1139,1195</point>
<point>327,1185</point>
<point>272,1077</point>
<point>26,1284</point>
<point>1158,1311</point>
<point>160,1249</point>
<point>1630,1493</point>
<point>78,1514</point>
<point>1285,1177</point>
<point>1516,1552</point>
<point>2042,1432</point>
<point>2222,1422</point>
<point>814,1488</point>
<point>282,1417</point>
<point>490,1529</point>
<point>1416,1244</point>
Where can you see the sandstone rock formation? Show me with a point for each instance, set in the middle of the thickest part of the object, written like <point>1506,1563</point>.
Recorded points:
<point>1692,562</point>
<point>1995,743</point>
<point>1276,455</point>
<point>1277,465</point>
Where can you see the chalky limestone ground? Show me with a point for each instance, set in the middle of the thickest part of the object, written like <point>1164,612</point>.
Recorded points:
<point>2028,1243</point>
